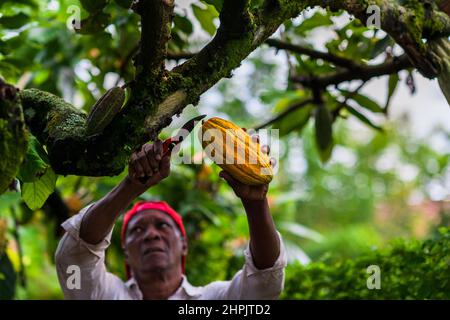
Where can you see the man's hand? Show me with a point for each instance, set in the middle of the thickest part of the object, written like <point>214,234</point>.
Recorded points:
<point>243,191</point>
<point>264,241</point>
<point>247,192</point>
<point>148,166</point>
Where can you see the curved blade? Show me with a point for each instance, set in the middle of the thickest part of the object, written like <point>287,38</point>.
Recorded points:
<point>187,128</point>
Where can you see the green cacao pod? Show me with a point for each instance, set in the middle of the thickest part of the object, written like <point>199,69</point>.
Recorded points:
<point>444,81</point>
<point>441,48</point>
<point>104,110</point>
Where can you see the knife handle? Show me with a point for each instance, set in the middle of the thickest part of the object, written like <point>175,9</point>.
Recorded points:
<point>168,146</point>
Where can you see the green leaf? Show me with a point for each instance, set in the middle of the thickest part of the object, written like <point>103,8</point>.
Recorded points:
<point>296,121</point>
<point>36,193</point>
<point>324,132</point>
<point>363,101</point>
<point>281,98</point>
<point>35,163</point>
<point>8,278</point>
<point>8,199</point>
<point>218,4</point>
<point>254,4</point>
<point>363,118</point>
<point>393,83</point>
<point>317,20</point>
<point>14,22</point>
<point>325,154</point>
<point>381,46</point>
<point>8,70</point>
<point>4,47</point>
<point>183,24</point>
<point>206,17</point>
<point>30,3</point>
<point>95,23</point>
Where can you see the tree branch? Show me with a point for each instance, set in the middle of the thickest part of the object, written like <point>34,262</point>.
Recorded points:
<point>124,63</point>
<point>407,25</point>
<point>180,55</point>
<point>231,44</point>
<point>13,135</point>
<point>285,113</point>
<point>361,73</point>
<point>347,97</point>
<point>157,95</point>
<point>338,61</point>
<point>156,18</point>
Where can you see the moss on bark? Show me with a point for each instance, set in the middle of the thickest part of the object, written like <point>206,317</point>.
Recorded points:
<point>243,28</point>
<point>13,135</point>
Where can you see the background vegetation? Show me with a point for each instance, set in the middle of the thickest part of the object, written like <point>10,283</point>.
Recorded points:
<point>339,204</point>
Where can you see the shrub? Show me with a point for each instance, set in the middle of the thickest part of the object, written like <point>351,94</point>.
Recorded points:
<point>409,270</point>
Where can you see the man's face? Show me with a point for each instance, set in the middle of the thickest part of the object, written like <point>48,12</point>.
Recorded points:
<point>153,242</point>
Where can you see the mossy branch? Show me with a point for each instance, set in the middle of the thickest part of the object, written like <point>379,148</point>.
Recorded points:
<point>13,136</point>
<point>360,72</point>
<point>157,94</point>
<point>156,19</point>
<point>408,24</point>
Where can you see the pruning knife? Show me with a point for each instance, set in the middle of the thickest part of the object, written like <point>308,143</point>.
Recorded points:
<point>170,143</point>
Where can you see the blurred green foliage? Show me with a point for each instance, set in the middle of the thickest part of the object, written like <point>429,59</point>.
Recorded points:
<point>408,270</point>
<point>377,186</point>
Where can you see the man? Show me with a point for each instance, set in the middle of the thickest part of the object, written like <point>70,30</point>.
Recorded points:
<point>155,243</point>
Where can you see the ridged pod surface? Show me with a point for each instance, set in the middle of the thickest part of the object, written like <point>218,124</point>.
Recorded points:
<point>441,47</point>
<point>248,164</point>
<point>104,110</point>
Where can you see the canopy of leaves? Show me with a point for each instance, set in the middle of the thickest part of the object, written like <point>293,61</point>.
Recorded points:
<point>328,214</point>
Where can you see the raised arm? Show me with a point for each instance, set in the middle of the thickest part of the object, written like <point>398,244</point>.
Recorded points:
<point>100,218</point>
<point>264,241</point>
<point>262,276</point>
<point>88,233</point>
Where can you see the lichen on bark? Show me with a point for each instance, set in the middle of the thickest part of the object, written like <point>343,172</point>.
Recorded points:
<point>243,27</point>
<point>13,135</point>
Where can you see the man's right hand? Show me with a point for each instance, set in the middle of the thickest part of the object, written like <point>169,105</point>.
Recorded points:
<point>148,166</point>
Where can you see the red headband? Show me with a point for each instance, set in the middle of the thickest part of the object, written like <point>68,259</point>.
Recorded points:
<point>152,205</point>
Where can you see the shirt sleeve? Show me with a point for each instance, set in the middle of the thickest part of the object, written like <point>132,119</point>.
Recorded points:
<point>81,266</point>
<point>251,283</point>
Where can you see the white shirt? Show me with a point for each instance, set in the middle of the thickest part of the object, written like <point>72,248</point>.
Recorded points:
<point>77,258</point>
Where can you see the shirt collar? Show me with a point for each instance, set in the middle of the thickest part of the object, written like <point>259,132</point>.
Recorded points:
<point>185,288</point>
<point>190,290</point>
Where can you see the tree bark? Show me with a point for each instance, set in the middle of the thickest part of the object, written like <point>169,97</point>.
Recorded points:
<point>157,94</point>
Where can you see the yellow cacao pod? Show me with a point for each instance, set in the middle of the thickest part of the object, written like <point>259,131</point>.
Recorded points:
<point>231,148</point>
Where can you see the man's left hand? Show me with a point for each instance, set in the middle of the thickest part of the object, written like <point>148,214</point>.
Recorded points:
<point>246,192</point>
